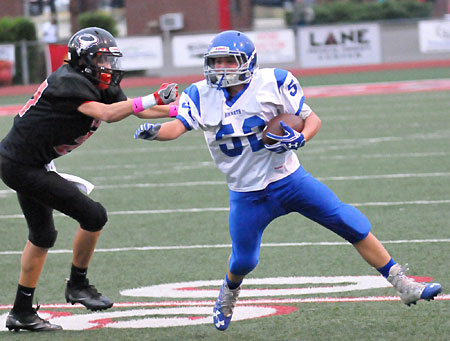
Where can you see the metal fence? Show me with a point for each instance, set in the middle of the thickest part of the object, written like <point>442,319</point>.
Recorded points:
<point>29,65</point>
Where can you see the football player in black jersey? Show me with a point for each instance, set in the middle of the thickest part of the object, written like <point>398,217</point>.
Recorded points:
<point>66,109</point>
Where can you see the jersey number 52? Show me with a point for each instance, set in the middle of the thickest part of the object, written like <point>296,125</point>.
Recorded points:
<point>251,124</point>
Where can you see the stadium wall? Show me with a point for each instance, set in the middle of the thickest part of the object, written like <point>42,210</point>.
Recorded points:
<point>385,45</point>
<point>398,42</point>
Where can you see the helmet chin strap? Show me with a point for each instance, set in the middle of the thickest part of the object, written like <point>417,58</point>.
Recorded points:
<point>219,86</point>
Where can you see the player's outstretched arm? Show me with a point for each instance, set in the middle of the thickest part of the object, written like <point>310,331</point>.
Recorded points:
<point>159,111</point>
<point>166,94</point>
<point>161,132</point>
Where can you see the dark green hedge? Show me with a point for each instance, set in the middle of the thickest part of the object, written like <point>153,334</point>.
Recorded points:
<point>16,29</point>
<point>98,19</point>
<point>349,11</point>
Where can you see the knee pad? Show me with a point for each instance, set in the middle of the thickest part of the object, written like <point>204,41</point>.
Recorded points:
<point>95,219</point>
<point>355,225</point>
<point>242,266</point>
<point>45,239</point>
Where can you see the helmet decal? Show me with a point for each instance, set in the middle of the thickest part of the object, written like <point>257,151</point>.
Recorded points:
<point>115,50</point>
<point>85,41</point>
<point>220,49</point>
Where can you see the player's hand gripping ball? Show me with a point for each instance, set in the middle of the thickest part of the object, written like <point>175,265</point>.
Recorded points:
<point>283,132</point>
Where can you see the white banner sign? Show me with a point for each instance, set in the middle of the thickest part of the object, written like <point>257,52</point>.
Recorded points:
<point>434,36</point>
<point>141,53</point>
<point>271,46</point>
<point>339,45</point>
<point>189,50</point>
<point>274,46</point>
<point>7,57</point>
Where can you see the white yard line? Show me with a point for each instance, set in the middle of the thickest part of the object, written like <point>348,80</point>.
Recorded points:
<point>225,209</point>
<point>336,143</point>
<point>223,183</point>
<point>7,192</point>
<point>215,183</point>
<point>311,155</point>
<point>384,176</point>
<point>227,246</point>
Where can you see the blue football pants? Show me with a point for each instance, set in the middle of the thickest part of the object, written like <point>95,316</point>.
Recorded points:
<point>251,212</point>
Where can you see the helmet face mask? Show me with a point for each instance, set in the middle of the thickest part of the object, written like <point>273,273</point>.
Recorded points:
<point>109,70</point>
<point>94,52</point>
<point>230,44</point>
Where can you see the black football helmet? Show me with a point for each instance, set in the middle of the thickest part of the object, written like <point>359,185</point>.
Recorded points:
<point>93,51</point>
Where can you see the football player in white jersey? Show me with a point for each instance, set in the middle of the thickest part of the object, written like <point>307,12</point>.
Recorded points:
<point>232,106</point>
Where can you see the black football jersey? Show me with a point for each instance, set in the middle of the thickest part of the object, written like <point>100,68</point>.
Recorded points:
<point>50,125</point>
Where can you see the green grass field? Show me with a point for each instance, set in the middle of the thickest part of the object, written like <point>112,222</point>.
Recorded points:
<point>387,154</point>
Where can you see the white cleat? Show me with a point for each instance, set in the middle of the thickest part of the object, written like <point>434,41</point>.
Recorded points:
<point>223,309</point>
<point>408,289</point>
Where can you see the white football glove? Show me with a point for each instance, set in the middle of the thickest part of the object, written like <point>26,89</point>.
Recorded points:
<point>290,140</point>
<point>147,131</point>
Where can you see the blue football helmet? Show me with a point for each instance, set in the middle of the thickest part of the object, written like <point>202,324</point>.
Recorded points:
<point>225,44</point>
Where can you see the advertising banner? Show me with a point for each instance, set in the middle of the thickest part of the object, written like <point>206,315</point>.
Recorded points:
<point>339,45</point>
<point>141,53</point>
<point>7,63</point>
<point>274,46</point>
<point>188,50</point>
<point>271,46</point>
<point>434,36</point>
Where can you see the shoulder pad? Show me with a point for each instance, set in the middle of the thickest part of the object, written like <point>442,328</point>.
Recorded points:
<point>66,82</point>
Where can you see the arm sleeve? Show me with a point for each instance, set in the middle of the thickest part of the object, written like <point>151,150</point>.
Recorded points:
<point>189,108</point>
<point>292,97</point>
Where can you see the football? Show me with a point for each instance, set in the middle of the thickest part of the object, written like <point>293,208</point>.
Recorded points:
<point>274,127</point>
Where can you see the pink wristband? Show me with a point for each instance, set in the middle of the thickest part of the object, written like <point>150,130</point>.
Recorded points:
<point>173,112</point>
<point>137,105</point>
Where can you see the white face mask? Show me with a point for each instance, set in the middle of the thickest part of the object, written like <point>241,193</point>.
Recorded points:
<point>232,69</point>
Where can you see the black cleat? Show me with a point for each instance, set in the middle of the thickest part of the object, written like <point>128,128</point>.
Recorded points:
<point>87,295</point>
<point>29,320</point>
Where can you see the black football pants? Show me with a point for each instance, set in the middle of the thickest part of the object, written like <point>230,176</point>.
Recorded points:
<point>39,192</point>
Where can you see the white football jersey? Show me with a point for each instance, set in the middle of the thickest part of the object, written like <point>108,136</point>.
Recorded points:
<point>233,129</point>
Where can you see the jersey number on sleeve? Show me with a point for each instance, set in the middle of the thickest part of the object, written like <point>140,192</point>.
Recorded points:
<point>292,87</point>
<point>251,124</point>
<point>33,100</point>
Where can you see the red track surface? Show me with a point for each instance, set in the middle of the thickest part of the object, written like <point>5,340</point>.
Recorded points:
<point>143,81</point>
<point>319,91</point>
